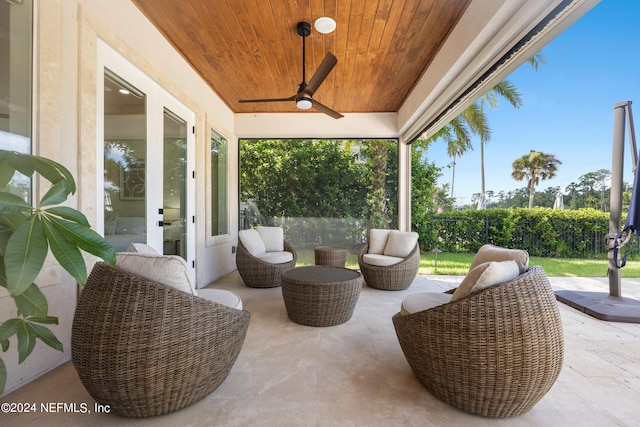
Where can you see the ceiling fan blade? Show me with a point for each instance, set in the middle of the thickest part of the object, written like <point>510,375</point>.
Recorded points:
<point>291,98</point>
<point>322,72</point>
<point>328,111</point>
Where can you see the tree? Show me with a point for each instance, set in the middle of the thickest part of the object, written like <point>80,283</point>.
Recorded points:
<point>535,167</point>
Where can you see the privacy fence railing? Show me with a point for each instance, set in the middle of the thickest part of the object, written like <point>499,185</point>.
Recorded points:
<point>542,232</point>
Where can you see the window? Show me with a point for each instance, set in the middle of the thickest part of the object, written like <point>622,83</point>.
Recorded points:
<point>219,196</point>
<point>16,85</point>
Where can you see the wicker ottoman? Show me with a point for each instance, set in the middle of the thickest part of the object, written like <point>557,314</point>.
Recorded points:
<point>320,296</point>
<point>330,255</point>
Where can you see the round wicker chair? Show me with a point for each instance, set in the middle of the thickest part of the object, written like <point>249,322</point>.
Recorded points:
<point>494,353</point>
<point>395,277</point>
<point>257,273</point>
<point>146,349</point>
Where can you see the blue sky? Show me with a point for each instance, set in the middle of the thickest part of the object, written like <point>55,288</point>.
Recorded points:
<point>567,106</point>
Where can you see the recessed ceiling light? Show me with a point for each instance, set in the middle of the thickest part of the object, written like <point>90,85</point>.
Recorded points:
<point>124,91</point>
<point>325,25</point>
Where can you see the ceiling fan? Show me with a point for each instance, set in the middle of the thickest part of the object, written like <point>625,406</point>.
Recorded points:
<point>303,98</point>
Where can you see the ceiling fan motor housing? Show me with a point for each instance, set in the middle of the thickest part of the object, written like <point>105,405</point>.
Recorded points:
<point>304,29</point>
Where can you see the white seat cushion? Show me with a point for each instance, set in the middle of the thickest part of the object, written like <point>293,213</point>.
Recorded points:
<point>400,243</point>
<point>252,241</point>
<point>276,257</point>
<point>486,275</point>
<point>381,260</point>
<point>489,253</point>
<point>221,296</point>
<point>377,240</point>
<point>423,301</point>
<point>168,270</point>
<point>273,238</point>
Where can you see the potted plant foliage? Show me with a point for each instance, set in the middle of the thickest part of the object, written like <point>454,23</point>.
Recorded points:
<point>27,234</point>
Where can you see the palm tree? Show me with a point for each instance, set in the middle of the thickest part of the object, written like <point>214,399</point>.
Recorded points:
<point>535,166</point>
<point>508,91</point>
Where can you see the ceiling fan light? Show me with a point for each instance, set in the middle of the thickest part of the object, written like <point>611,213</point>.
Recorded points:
<point>304,103</point>
<point>325,25</point>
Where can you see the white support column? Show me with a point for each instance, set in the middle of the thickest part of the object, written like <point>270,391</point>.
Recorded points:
<point>404,185</point>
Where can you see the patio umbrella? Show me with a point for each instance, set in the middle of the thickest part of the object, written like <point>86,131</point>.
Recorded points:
<point>612,306</point>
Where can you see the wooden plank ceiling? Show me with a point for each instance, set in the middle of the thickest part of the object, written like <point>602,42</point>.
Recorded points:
<point>247,49</point>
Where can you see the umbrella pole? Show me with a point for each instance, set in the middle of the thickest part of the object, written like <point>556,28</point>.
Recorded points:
<point>615,215</point>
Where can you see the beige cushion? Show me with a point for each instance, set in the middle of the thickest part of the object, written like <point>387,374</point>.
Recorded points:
<point>381,260</point>
<point>423,301</point>
<point>486,275</point>
<point>221,296</point>
<point>377,240</point>
<point>142,248</point>
<point>252,241</point>
<point>168,270</point>
<point>273,238</point>
<point>495,253</point>
<point>400,243</point>
<point>276,257</point>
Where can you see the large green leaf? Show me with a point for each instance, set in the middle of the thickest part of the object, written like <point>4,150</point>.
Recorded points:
<point>27,332</point>
<point>8,329</point>
<point>32,302</point>
<point>57,194</point>
<point>6,173</point>
<point>70,214</point>
<point>64,251</point>
<point>86,239</point>
<point>11,204</point>
<point>50,170</point>
<point>24,257</point>
<point>12,221</point>
<point>3,376</point>
<point>26,341</point>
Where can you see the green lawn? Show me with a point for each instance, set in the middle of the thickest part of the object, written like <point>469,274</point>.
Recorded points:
<point>458,265</point>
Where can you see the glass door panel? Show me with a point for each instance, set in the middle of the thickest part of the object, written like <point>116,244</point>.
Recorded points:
<point>174,188</point>
<point>125,148</point>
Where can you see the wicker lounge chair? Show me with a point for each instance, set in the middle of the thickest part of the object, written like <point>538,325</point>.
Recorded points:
<point>494,353</point>
<point>146,349</point>
<point>395,277</point>
<point>258,272</point>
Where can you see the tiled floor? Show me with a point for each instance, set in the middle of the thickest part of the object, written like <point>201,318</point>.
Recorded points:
<point>356,375</point>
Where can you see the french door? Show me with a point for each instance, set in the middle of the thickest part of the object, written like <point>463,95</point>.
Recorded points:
<point>146,147</point>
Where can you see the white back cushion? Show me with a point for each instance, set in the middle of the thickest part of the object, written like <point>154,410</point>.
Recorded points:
<point>486,275</point>
<point>377,240</point>
<point>168,270</point>
<point>495,253</point>
<point>252,241</point>
<point>400,243</point>
<point>273,238</point>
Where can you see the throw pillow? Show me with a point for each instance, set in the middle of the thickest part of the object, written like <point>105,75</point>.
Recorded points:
<point>400,243</point>
<point>168,270</point>
<point>486,275</point>
<point>377,240</point>
<point>273,238</point>
<point>495,253</point>
<point>252,241</point>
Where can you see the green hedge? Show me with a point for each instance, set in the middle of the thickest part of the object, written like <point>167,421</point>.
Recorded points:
<point>541,231</point>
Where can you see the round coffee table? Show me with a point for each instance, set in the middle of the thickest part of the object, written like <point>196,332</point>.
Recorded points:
<point>319,295</point>
<point>333,256</point>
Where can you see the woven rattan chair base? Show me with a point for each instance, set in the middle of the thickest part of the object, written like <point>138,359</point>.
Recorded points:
<point>495,353</point>
<point>260,274</point>
<point>396,277</point>
<point>319,295</point>
<point>145,349</point>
